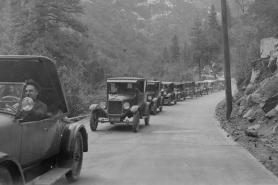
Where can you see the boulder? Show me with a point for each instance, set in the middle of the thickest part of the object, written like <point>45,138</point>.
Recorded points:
<point>272,66</point>
<point>255,76</point>
<point>252,131</point>
<point>267,46</point>
<point>248,113</point>
<point>272,113</point>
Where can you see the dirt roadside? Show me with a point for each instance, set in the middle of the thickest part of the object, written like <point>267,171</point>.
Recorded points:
<point>263,146</point>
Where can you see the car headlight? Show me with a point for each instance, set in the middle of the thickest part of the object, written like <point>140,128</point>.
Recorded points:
<point>126,105</point>
<point>102,105</point>
<point>150,97</point>
<point>165,93</point>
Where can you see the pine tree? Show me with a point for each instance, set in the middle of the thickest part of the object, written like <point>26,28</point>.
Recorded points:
<point>212,19</point>
<point>175,49</point>
<point>165,55</point>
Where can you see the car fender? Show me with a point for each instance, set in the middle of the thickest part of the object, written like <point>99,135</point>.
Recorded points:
<point>134,108</point>
<point>95,108</point>
<point>67,143</point>
<point>13,166</point>
<point>155,100</point>
<point>168,95</point>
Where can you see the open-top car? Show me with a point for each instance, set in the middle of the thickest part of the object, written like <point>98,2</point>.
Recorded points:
<point>181,92</point>
<point>168,93</point>
<point>154,95</point>
<point>191,89</point>
<point>42,150</point>
<point>126,98</point>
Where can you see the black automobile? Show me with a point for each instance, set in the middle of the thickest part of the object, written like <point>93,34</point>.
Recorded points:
<point>154,95</point>
<point>126,98</point>
<point>191,89</point>
<point>168,93</point>
<point>180,90</point>
<point>38,151</point>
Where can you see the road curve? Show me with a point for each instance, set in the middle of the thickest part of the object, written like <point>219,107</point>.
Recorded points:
<point>182,145</point>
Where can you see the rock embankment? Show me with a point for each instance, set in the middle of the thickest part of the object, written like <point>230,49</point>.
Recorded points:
<point>254,119</point>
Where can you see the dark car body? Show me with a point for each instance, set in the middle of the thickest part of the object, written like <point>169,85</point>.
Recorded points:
<point>168,93</point>
<point>191,89</point>
<point>36,148</point>
<point>202,86</point>
<point>154,95</point>
<point>126,98</point>
<point>181,92</point>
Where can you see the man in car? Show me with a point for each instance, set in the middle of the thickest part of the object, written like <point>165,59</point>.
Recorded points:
<point>39,110</point>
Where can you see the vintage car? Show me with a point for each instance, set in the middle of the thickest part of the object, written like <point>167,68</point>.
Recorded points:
<point>168,93</point>
<point>221,82</point>
<point>36,152</point>
<point>213,85</point>
<point>191,89</point>
<point>154,96</point>
<point>180,90</point>
<point>203,86</point>
<point>127,98</point>
<point>199,88</point>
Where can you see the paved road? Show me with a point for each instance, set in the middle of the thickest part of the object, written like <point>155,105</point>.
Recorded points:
<point>183,145</point>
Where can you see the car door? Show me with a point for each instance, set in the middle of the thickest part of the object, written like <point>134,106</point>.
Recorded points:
<point>39,140</point>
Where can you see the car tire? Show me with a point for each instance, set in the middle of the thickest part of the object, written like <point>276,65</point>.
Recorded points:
<point>5,176</point>
<point>93,121</point>
<point>155,110</point>
<point>147,120</point>
<point>175,101</point>
<point>135,122</point>
<point>160,108</point>
<point>77,158</point>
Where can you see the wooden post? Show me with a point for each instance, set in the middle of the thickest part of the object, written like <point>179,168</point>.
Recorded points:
<point>229,105</point>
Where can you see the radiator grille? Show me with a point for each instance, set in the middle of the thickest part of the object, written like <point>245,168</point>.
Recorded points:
<point>115,107</point>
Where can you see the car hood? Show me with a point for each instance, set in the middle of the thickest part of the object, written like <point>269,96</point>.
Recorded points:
<point>150,92</point>
<point>121,97</point>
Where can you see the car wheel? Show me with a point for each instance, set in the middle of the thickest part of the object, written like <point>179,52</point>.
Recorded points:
<point>160,108</point>
<point>155,109</point>
<point>147,120</point>
<point>93,121</point>
<point>5,177</point>
<point>77,151</point>
<point>175,101</point>
<point>135,122</point>
<point>169,102</point>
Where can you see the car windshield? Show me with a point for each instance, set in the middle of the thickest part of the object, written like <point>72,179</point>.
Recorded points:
<point>177,86</point>
<point>122,88</point>
<point>10,96</point>
<point>151,87</point>
<point>166,86</point>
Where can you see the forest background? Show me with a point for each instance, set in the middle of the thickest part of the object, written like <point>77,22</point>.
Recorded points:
<point>91,40</point>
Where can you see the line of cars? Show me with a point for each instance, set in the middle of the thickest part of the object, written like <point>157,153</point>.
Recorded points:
<point>42,151</point>
<point>130,99</point>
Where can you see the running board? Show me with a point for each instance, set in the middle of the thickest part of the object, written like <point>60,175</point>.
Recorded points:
<point>50,177</point>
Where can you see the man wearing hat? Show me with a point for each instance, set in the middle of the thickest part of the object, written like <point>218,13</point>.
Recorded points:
<point>39,111</point>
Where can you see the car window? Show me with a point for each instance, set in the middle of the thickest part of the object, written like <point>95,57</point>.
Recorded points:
<point>151,87</point>
<point>10,97</point>
<point>121,88</point>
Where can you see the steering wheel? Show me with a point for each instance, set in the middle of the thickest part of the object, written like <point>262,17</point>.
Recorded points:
<point>10,97</point>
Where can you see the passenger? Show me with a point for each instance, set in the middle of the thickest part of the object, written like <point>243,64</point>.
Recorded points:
<point>39,110</point>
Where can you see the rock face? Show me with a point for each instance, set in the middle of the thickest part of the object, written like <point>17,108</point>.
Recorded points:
<point>268,46</point>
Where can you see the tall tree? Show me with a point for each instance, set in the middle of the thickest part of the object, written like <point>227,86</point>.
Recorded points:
<point>165,55</point>
<point>48,27</point>
<point>197,39</point>
<point>175,49</point>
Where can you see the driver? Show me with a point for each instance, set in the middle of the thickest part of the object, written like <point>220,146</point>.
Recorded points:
<point>39,110</point>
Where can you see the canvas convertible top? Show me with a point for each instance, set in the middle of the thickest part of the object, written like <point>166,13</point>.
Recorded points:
<point>20,68</point>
